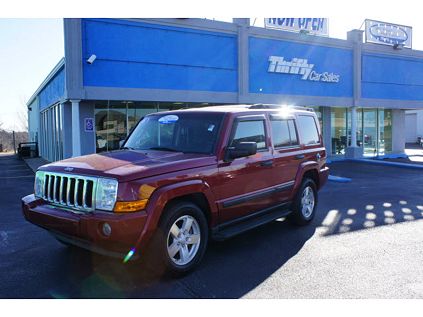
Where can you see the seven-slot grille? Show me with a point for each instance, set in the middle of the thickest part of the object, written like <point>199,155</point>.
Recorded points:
<point>72,191</point>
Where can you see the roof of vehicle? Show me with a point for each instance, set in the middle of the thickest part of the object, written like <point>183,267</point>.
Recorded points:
<point>249,108</point>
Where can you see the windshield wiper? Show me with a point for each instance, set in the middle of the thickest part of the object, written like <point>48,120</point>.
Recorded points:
<point>127,148</point>
<point>162,148</point>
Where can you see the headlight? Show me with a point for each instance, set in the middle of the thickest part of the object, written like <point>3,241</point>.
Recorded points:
<point>39,184</point>
<point>106,193</point>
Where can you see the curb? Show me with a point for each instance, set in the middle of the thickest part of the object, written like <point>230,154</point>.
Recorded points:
<point>339,179</point>
<point>380,162</point>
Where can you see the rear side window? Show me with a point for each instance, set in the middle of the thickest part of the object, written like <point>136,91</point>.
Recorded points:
<point>250,131</point>
<point>308,128</point>
<point>283,133</point>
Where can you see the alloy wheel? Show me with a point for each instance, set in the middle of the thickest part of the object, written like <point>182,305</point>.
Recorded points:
<point>183,240</point>
<point>307,202</point>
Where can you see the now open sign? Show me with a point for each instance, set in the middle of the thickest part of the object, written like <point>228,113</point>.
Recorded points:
<point>316,26</point>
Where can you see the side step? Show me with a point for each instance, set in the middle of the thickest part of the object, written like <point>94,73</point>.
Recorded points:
<point>235,227</point>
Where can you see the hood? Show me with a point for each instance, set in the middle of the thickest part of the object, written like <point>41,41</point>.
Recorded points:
<point>126,165</point>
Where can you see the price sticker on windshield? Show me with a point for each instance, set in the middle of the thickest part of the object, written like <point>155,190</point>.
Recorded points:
<point>168,119</point>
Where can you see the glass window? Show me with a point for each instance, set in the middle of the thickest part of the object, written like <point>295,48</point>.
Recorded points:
<point>283,133</point>
<point>319,114</point>
<point>370,132</point>
<point>385,131</point>
<point>292,132</point>
<point>338,118</point>
<point>137,110</point>
<point>280,133</point>
<point>250,131</point>
<point>180,132</point>
<point>308,129</point>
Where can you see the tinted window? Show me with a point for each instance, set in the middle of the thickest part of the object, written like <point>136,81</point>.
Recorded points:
<point>283,133</point>
<point>250,131</point>
<point>308,129</point>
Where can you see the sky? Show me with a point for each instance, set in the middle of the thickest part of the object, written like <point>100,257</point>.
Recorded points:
<point>30,48</point>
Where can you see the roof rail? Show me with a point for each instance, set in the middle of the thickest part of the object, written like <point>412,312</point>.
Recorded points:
<point>275,106</point>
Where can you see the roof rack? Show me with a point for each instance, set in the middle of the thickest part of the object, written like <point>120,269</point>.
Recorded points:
<point>275,106</point>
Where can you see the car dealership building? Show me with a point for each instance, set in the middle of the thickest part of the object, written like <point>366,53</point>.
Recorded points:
<point>115,71</point>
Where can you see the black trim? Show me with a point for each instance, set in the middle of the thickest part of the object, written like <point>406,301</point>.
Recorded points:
<point>251,221</point>
<point>243,199</point>
<point>87,245</point>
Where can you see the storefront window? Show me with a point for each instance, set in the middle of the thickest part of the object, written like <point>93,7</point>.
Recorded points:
<point>374,130</point>
<point>319,114</point>
<point>369,132</point>
<point>338,118</point>
<point>137,110</point>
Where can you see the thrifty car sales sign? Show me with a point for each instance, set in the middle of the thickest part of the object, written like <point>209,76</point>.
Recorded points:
<point>316,26</point>
<point>300,66</point>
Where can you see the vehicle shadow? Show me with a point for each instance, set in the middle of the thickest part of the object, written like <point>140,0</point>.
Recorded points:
<point>230,269</point>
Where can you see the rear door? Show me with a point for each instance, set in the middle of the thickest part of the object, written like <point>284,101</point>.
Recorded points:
<point>287,154</point>
<point>245,183</point>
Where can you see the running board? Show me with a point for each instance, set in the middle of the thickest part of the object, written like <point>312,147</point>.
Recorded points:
<point>235,227</point>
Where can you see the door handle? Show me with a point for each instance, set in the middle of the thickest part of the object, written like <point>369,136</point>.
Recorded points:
<point>266,163</point>
<point>299,156</point>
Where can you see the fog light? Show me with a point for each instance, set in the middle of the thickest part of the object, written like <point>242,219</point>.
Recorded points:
<point>107,230</point>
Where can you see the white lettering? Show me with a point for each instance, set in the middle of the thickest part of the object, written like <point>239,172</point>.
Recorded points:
<point>300,66</point>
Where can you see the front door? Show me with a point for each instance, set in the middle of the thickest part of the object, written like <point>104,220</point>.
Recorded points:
<point>245,183</point>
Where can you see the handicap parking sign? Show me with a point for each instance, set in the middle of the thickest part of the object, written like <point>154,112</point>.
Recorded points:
<point>89,124</point>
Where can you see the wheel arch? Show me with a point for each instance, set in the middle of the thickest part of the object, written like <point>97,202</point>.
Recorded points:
<point>307,169</point>
<point>195,191</point>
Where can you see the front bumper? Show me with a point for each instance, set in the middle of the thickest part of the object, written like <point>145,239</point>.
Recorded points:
<point>85,229</point>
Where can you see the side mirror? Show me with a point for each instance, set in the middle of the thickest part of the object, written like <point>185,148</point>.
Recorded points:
<point>121,142</point>
<point>242,149</point>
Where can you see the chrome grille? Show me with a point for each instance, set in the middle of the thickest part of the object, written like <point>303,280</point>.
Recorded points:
<point>73,191</point>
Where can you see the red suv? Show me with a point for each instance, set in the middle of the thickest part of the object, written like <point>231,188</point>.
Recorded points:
<point>183,177</point>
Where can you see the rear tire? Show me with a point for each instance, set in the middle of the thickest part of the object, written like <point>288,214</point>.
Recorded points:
<point>181,238</point>
<point>305,203</point>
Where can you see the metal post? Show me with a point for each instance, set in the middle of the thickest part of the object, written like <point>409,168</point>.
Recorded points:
<point>14,141</point>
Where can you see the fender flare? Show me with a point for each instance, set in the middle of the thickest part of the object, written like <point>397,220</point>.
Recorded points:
<point>304,167</point>
<point>162,196</point>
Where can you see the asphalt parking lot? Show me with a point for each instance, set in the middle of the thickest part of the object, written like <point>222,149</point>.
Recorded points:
<point>365,242</point>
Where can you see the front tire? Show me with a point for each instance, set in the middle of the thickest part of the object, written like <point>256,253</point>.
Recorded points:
<point>182,237</point>
<point>305,203</point>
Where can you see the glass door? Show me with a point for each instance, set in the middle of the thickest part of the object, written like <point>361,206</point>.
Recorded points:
<point>338,118</point>
<point>385,131</point>
<point>370,132</point>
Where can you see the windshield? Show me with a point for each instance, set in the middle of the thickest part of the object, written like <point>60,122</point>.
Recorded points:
<point>179,132</point>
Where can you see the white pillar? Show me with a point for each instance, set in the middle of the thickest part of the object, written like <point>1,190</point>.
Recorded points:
<point>354,151</point>
<point>76,129</point>
<point>398,131</point>
<point>353,126</point>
